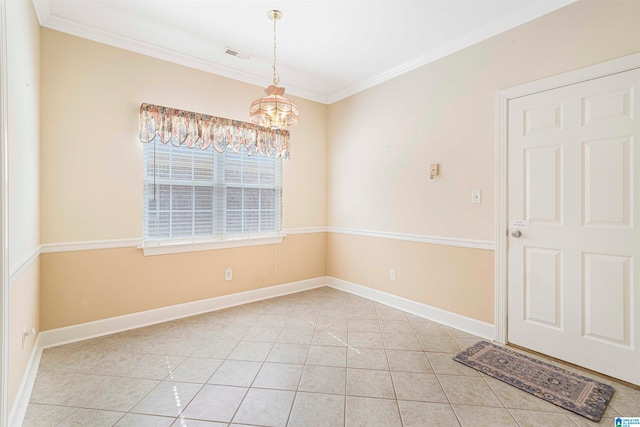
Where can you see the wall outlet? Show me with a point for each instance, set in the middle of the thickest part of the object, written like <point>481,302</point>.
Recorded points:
<point>27,332</point>
<point>476,196</point>
<point>392,274</point>
<point>228,274</point>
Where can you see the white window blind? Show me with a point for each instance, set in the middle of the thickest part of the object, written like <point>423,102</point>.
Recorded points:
<point>194,194</point>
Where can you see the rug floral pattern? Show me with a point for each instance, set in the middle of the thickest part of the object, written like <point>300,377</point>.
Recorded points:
<point>563,388</point>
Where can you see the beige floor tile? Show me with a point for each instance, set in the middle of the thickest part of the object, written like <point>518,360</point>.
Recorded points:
<point>401,342</point>
<point>317,410</point>
<point>430,329</point>
<point>370,412</point>
<point>236,373</point>
<point>38,415</point>
<point>364,325</point>
<point>332,323</point>
<point>468,390</point>
<point>155,367</point>
<point>195,370</point>
<point>91,417</point>
<point>420,387</point>
<point>396,327</point>
<point>408,361</point>
<point>303,315</point>
<point>330,338</point>
<point>362,313</point>
<point>169,398</point>
<point>279,376</point>
<point>466,342</point>
<point>263,333</point>
<point>327,356</point>
<point>323,379</point>
<point>438,344</point>
<point>123,394</point>
<point>273,320</point>
<point>367,358</point>
<point>186,422</point>
<point>68,388</point>
<point>366,339</point>
<point>443,363</point>
<point>137,420</point>
<point>321,357</point>
<point>215,403</point>
<point>296,336</point>
<point>458,333</point>
<point>369,383</point>
<point>536,419</point>
<point>385,312</point>
<point>216,348</point>
<point>116,363</point>
<point>626,401</point>
<point>265,407</point>
<point>581,421</point>
<point>69,359</point>
<point>423,414</point>
<point>482,416</point>
<point>182,346</point>
<point>288,353</point>
<point>251,350</point>
<point>231,332</point>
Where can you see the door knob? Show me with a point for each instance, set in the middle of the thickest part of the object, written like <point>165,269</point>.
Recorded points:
<point>516,233</point>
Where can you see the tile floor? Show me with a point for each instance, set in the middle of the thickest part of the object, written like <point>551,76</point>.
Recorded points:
<point>317,358</point>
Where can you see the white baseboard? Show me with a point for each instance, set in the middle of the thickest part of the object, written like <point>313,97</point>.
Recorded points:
<point>112,325</point>
<point>19,407</point>
<point>467,324</point>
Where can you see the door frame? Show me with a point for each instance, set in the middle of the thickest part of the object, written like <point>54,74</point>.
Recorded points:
<point>503,97</point>
<point>4,241</point>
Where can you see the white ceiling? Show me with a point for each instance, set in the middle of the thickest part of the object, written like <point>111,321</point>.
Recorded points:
<point>327,50</point>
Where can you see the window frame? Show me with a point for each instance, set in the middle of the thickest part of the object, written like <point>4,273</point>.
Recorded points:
<point>219,239</point>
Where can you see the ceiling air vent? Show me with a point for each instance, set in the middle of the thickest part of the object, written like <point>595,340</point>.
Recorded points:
<point>237,54</point>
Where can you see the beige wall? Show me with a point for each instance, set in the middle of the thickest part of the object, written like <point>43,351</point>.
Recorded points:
<point>23,183</point>
<point>349,170</point>
<point>91,179</point>
<point>92,159</point>
<point>83,286</point>
<point>381,142</point>
<point>460,279</point>
<point>23,312</point>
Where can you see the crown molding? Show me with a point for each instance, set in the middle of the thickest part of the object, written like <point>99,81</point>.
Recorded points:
<point>542,8</point>
<point>53,22</point>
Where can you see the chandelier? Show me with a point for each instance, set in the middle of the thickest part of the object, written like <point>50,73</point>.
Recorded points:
<point>274,110</point>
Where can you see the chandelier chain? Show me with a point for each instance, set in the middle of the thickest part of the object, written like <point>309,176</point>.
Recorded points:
<point>276,78</point>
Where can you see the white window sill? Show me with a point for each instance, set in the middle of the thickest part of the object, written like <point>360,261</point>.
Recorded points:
<point>174,247</point>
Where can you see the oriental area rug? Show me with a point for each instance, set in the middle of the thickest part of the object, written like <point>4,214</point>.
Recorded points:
<point>563,388</point>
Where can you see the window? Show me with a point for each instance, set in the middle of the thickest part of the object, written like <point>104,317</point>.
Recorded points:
<point>193,195</point>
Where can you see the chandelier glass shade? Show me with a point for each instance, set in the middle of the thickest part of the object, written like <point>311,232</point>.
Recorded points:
<point>274,111</point>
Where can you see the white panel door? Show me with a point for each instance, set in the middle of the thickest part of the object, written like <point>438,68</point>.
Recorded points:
<point>573,262</point>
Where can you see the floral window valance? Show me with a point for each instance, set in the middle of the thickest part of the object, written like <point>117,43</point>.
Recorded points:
<point>194,129</point>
